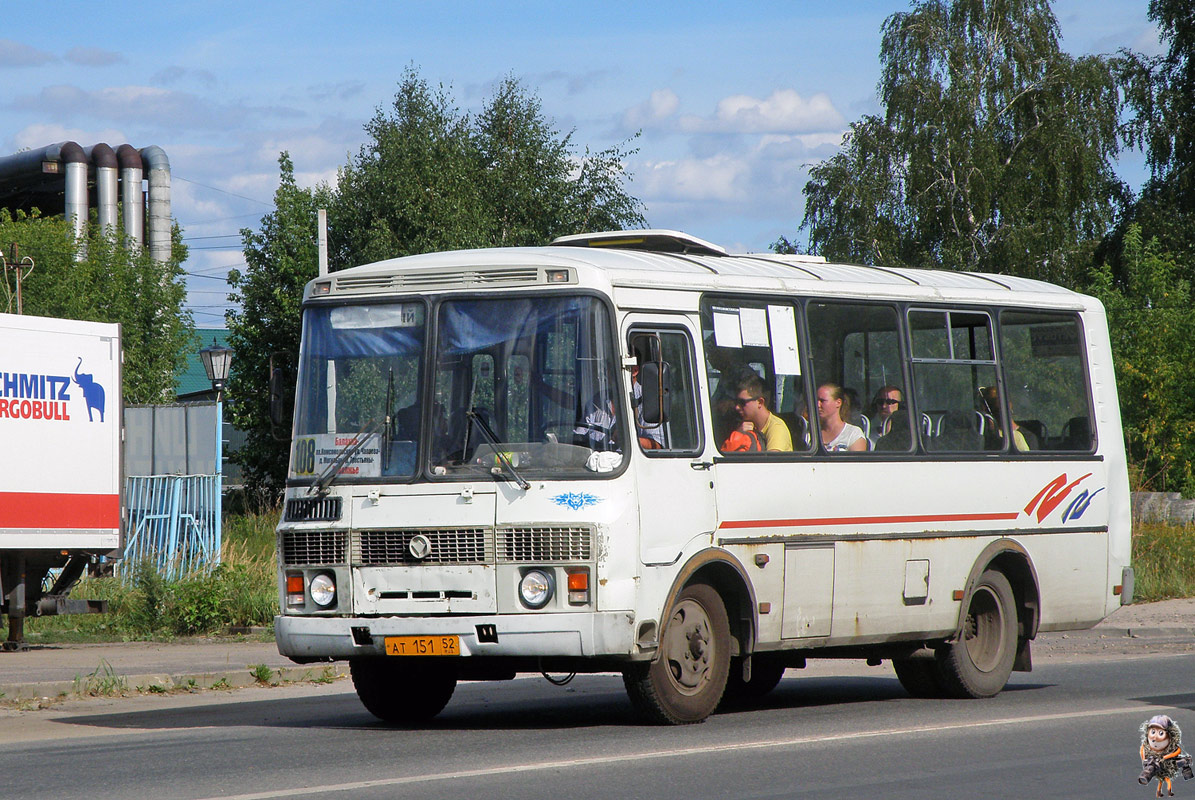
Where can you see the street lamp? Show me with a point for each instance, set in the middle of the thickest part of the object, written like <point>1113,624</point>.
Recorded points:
<point>216,360</point>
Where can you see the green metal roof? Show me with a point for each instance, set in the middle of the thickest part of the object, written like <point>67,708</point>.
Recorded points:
<point>192,379</point>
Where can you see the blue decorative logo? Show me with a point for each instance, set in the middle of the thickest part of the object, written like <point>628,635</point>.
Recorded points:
<point>576,500</point>
<point>93,393</point>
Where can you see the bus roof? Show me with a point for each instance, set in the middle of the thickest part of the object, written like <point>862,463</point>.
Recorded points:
<point>671,259</point>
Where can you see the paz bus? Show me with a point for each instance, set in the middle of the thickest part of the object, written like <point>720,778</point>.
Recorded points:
<point>518,460</point>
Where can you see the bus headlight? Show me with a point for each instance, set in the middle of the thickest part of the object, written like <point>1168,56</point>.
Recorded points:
<point>536,588</point>
<point>323,590</point>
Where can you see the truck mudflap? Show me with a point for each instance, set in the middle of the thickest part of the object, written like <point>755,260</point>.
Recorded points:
<point>583,634</point>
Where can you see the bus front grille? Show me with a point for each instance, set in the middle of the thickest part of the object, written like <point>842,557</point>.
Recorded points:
<point>435,546</point>
<point>314,547</point>
<point>313,509</point>
<point>538,544</point>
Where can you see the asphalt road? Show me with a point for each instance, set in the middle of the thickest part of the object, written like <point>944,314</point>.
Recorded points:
<point>1068,729</point>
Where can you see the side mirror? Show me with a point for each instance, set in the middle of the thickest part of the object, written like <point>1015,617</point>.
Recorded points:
<point>656,378</point>
<point>282,395</point>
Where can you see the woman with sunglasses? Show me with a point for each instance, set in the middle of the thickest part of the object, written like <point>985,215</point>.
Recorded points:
<point>888,400</point>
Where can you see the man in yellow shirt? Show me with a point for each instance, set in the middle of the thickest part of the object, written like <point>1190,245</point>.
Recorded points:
<point>752,407</point>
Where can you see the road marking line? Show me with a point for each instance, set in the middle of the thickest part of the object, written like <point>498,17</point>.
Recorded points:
<point>762,744</point>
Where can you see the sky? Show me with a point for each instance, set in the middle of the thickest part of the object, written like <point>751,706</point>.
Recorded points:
<point>733,102</point>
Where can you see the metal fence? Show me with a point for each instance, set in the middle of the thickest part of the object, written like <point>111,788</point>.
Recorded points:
<point>172,520</point>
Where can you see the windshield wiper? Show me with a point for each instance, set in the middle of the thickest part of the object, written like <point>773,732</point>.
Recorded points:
<point>321,483</point>
<point>473,417</point>
<point>388,429</point>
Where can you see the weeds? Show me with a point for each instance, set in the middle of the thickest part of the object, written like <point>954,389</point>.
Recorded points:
<point>262,674</point>
<point>144,605</point>
<point>103,682</point>
<point>1163,561</point>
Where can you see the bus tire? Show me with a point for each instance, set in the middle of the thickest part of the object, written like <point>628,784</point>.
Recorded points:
<point>684,684</point>
<point>765,675</point>
<point>919,676</point>
<point>403,691</point>
<point>979,662</point>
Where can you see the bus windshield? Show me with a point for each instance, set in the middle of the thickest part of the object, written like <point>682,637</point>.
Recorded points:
<point>519,386</point>
<point>527,383</point>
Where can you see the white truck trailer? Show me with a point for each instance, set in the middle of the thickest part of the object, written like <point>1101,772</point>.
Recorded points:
<point>61,465</point>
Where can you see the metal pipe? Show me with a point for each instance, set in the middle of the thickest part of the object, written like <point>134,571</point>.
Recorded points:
<point>76,194</point>
<point>158,229</point>
<point>103,158</point>
<point>132,198</point>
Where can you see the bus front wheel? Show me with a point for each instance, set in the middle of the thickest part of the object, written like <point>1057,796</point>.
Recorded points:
<point>685,682</point>
<point>979,662</point>
<point>403,691</point>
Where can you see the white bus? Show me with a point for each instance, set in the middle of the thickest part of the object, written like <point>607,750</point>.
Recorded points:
<point>521,460</point>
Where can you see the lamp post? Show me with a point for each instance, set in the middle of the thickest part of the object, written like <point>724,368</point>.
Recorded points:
<point>216,360</point>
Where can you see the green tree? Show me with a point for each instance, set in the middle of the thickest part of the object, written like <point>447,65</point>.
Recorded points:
<point>993,153</point>
<point>1161,93</point>
<point>428,178</point>
<point>115,281</point>
<point>1153,345</point>
<point>280,258</point>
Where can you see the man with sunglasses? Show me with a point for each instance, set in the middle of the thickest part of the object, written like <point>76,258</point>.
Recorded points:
<point>752,407</point>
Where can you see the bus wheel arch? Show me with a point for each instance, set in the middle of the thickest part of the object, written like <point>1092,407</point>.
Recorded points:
<point>705,623</point>
<point>997,617</point>
<point>1012,560</point>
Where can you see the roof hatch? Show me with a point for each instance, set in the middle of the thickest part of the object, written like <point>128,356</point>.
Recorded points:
<point>652,241</point>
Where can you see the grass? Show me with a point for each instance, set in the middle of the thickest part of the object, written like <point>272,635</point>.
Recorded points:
<point>1163,561</point>
<point>143,605</point>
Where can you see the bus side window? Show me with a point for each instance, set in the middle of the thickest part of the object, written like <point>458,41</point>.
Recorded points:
<point>954,370</point>
<point>753,364</point>
<point>856,354</point>
<point>1046,377</point>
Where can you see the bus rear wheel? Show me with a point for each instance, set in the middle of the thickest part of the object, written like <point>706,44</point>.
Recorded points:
<point>979,662</point>
<point>919,676</point>
<point>685,682</point>
<point>403,691</point>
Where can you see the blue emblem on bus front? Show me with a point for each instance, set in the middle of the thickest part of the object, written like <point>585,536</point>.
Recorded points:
<point>576,500</point>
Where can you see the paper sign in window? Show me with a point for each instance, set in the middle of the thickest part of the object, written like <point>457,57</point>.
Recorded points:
<point>726,330</point>
<point>785,355</point>
<point>754,322</point>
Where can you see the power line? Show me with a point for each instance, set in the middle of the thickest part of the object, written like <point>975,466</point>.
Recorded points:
<point>224,191</point>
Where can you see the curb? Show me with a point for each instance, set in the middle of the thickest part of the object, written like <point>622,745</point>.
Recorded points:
<point>114,684</point>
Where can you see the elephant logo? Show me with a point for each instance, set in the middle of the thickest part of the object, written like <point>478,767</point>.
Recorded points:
<point>93,393</point>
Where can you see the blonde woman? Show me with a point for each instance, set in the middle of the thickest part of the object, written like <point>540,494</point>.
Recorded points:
<point>833,410</point>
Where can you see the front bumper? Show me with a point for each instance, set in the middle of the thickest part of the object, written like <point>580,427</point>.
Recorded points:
<point>589,634</point>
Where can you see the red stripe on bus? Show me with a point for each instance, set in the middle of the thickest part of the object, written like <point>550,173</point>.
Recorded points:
<point>800,523</point>
<point>54,510</point>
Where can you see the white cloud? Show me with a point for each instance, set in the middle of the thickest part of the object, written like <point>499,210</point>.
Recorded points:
<point>784,111</point>
<point>16,54</point>
<point>40,135</point>
<point>93,57</point>
<point>662,104</point>
<point>719,178</point>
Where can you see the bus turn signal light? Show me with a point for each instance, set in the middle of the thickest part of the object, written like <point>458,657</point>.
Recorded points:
<point>294,589</point>
<point>578,587</point>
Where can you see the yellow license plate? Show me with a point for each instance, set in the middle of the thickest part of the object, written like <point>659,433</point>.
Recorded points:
<point>423,646</point>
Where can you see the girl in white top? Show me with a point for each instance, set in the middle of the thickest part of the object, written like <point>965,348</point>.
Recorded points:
<point>833,410</point>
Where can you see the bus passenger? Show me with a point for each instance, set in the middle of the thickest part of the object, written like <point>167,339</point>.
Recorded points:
<point>888,400</point>
<point>833,410</point>
<point>990,400</point>
<point>752,407</point>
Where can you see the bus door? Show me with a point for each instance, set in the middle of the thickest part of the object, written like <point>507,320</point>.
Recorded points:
<point>672,471</point>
